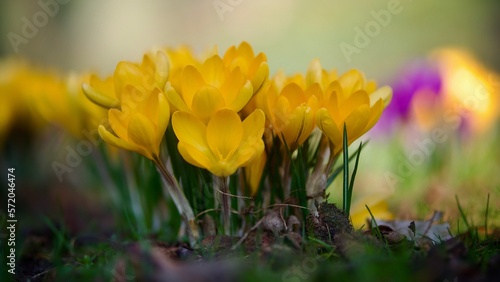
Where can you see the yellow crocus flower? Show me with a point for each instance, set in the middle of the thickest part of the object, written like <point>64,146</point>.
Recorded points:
<point>211,87</point>
<point>224,144</point>
<point>253,172</point>
<point>351,101</point>
<point>291,111</point>
<point>255,68</point>
<point>178,59</point>
<point>150,73</point>
<point>139,126</point>
<point>317,74</point>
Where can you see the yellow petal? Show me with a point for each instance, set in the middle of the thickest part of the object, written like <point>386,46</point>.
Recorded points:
<point>142,132</point>
<point>99,98</point>
<point>355,100</point>
<point>119,123</point>
<point>384,93</point>
<point>112,140</point>
<point>259,77</point>
<point>352,81</point>
<point>149,107</point>
<point>356,122</point>
<point>224,133</point>
<point>253,125</point>
<point>195,156</point>
<point>206,102</point>
<point>162,69</point>
<point>245,50</point>
<point>253,172</point>
<point>163,117</point>
<point>246,154</point>
<point>328,127</point>
<point>375,113</point>
<point>299,127</point>
<point>191,81</point>
<point>232,85</point>
<point>127,73</point>
<point>175,99</point>
<point>314,72</point>
<point>222,168</point>
<point>243,97</point>
<point>190,130</point>
<point>213,71</point>
<point>294,94</point>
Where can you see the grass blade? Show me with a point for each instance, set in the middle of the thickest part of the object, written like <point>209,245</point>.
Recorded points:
<point>345,197</point>
<point>353,176</point>
<point>462,214</point>
<point>338,170</point>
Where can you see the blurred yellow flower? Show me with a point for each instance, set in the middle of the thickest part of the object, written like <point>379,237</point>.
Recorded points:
<point>351,101</point>
<point>317,74</point>
<point>224,144</point>
<point>255,68</point>
<point>178,59</point>
<point>291,110</point>
<point>101,92</point>
<point>139,126</point>
<point>378,206</point>
<point>206,89</point>
<point>253,172</point>
<point>150,73</point>
<point>470,89</point>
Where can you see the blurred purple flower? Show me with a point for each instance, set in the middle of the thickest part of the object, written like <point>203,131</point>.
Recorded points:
<point>419,75</point>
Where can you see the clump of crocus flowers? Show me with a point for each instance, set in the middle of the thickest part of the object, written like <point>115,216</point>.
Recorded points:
<point>275,138</point>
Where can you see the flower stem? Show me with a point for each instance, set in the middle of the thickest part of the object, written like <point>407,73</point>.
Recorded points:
<point>180,201</point>
<point>286,177</point>
<point>226,205</point>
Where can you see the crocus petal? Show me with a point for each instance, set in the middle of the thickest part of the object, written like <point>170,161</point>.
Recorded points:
<point>328,126</point>
<point>384,93</point>
<point>352,102</point>
<point>213,71</point>
<point>244,95</point>
<point>356,122</point>
<point>191,81</point>
<point>206,102</point>
<point>375,113</point>
<point>246,154</point>
<point>245,50</point>
<point>294,94</point>
<point>142,132</point>
<point>99,98</point>
<point>314,72</point>
<point>118,122</point>
<point>351,81</point>
<point>231,86</point>
<point>190,130</point>
<point>112,140</point>
<point>163,117</point>
<point>127,73</point>
<point>175,99</point>
<point>195,156</point>
<point>253,172</point>
<point>253,125</point>
<point>224,133</point>
<point>149,106</point>
<point>162,69</point>
<point>260,76</point>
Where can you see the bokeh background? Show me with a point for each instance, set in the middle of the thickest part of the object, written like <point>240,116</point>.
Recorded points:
<point>95,35</point>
